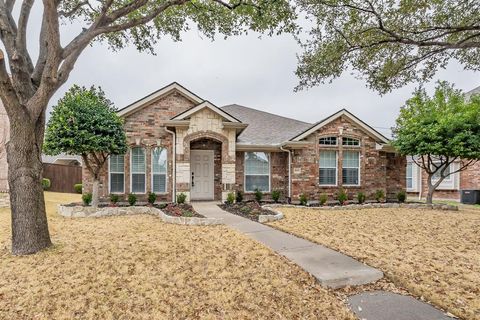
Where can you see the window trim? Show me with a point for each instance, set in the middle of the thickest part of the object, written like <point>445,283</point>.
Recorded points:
<point>351,145</point>
<point>110,175</point>
<point>336,169</point>
<point>328,145</point>
<point>359,169</point>
<point>245,171</point>
<point>412,188</point>
<point>144,174</point>
<point>152,173</point>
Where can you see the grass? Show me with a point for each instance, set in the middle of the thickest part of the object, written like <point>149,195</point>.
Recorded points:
<point>433,254</point>
<point>137,267</point>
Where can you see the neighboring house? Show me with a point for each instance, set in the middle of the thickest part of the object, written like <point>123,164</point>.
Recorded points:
<point>181,143</point>
<point>64,159</point>
<point>4,137</point>
<point>450,188</point>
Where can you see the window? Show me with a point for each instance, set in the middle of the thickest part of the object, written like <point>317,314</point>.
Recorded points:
<point>117,173</point>
<point>351,168</point>
<point>437,175</point>
<point>257,171</point>
<point>350,142</point>
<point>137,174</point>
<point>328,168</point>
<point>328,141</point>
<point>159,170</point>
<point>410,175</point>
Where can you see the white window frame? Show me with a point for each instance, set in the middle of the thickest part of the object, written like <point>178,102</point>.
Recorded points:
<point>144,174</point>
<point>412,188</point>
<point>110,176</point>
<point>359,169</point>
<point>328,145</point>
<point>166,170</point>
<point>245,171</point>
<point>351,145</point>
<point>336,169</point>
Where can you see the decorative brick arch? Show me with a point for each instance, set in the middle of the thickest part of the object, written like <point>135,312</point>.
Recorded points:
<point>188,139</point>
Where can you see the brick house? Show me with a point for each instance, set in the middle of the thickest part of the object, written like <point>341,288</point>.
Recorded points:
<point>450,188</point>
<point>181,143</point>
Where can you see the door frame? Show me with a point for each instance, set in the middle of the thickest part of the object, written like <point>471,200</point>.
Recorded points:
<point>212,174</point>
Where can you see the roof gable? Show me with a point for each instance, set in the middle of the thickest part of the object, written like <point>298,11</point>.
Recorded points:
<point>374,133</point>
<point>206,104</point>
<point>172,87</point>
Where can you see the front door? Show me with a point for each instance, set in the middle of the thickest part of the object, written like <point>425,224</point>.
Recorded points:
<point>202,174</point>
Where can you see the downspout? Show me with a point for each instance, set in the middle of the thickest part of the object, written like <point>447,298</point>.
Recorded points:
<point>174,172</point>
<point>289,173</point>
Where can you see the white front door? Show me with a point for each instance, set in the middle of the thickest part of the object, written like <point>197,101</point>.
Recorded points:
<point>201,164</point>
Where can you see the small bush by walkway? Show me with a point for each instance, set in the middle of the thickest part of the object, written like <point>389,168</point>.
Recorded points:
<point>434,254</point>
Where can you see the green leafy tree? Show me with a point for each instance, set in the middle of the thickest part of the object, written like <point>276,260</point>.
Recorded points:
<point>389,43</point>
<point>438,131</point>
<point>85,123</point>
<point>27,85</point>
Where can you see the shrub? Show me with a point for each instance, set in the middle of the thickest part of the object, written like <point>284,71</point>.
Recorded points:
<point>239,196</point>
<point>323,199</point>
<point>401,196</point>
<point>379,195</point>
<point>78,188</point>
<point>276,195</point>
<point>152,197</point>
<point>303,199</point>
<point>181,198</point>
<point>230,198</point>
<point>258,195</point>
<point>361,197</point>
<point>46,183</point>
<point>114,198</point>
<point>132,199</point>
<point>342,197</point>
<point>87,199</point>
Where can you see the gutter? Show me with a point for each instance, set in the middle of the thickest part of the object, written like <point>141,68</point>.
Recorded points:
<point>289,172</point>
<point>174,172</point>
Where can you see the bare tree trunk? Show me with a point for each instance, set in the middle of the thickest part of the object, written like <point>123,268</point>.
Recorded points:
<point>95,196</point>
<point>431,190</point>
<point>29,220</point>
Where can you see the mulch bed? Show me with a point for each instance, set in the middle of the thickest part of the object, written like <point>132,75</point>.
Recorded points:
<point>247,209</point>
<point>179,210</point>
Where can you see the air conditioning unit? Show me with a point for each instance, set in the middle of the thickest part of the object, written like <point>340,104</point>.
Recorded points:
<point>470,196</point>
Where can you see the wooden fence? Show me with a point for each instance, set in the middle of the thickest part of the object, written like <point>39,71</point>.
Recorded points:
<point>62,177</point>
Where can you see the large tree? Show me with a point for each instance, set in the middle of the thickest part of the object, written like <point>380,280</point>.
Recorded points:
<point>84,122</point>
<point>389,43</point>
<point>27,86</point>
<point>439,131</point>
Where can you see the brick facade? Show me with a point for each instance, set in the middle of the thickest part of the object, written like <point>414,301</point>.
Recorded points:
<point>378,169</point>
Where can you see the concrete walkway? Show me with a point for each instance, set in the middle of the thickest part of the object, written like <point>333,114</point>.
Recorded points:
<point>331,268</point>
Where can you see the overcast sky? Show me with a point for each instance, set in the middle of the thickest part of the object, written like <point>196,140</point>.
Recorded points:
<point>246,70</point>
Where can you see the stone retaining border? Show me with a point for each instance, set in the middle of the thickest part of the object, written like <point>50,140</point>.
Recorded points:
<point>83,212</point>
<point>434,206</point>
<point>270,217</point>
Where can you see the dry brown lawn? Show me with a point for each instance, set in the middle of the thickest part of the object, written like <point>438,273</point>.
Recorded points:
<point>433,254</point>
<point>137,267</point>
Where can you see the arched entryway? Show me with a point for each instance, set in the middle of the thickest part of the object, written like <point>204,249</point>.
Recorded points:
<point>206,169</point>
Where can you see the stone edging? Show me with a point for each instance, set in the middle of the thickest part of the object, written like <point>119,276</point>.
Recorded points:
<point>446,207</point>
<point>270,217</point>
<point>82,212</point>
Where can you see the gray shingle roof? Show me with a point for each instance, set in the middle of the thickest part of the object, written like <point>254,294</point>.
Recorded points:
<point>472,92</point>
<point>265,128</point>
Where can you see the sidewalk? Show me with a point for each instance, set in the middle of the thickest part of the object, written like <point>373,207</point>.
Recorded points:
<point>331,268</point>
